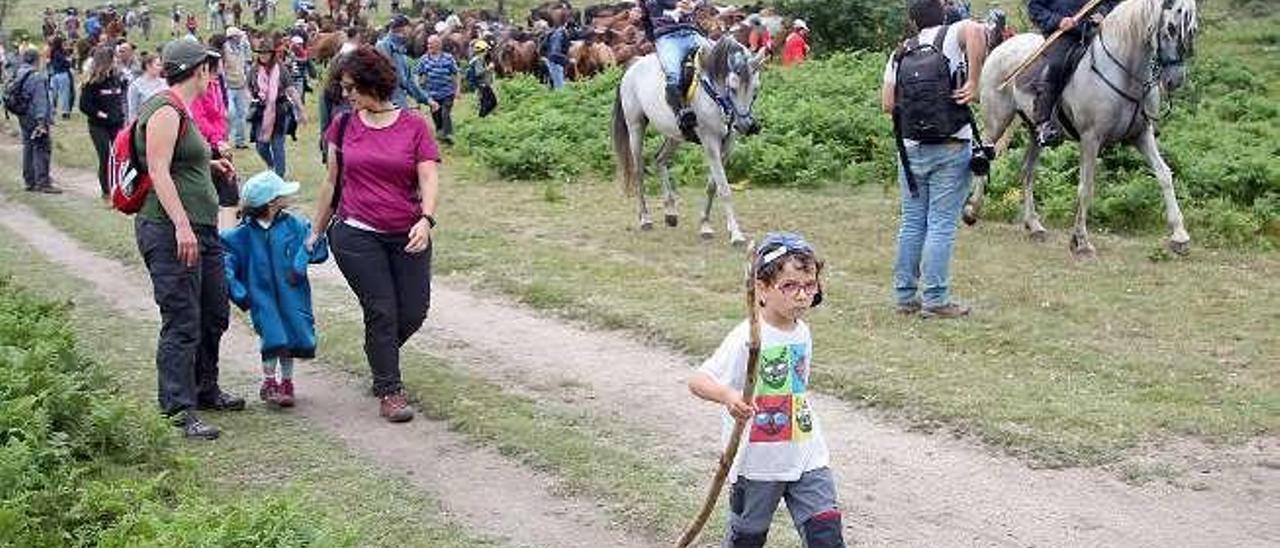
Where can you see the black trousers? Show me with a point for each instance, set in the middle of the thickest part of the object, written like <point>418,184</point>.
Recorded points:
<point>443,118</point>
<point>394,288</point>
<point>193,313</point>
<point>102,138</point>
<point>1059,62</point>
<point>35,155</point>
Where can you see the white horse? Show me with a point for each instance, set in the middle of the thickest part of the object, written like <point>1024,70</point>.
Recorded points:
<point>728,82</point>
<point>1112,97</point>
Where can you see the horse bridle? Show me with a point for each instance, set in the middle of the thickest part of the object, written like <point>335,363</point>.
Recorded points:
<point>1155,67</point>
<point>728,106</point>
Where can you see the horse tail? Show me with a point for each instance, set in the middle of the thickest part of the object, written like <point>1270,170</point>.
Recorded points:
<point>622,154</point>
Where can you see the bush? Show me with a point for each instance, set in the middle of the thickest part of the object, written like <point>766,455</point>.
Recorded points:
<point>849,24</point>
<point>82,466</point>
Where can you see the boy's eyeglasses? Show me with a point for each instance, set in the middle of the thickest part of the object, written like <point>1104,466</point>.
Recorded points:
<point>791,289</point>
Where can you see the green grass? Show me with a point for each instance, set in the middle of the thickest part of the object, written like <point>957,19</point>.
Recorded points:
<point>1063,364</point>
<point>263,454</point>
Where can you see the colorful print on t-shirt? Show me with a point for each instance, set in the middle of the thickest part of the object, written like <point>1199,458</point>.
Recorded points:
<point>783,414</point>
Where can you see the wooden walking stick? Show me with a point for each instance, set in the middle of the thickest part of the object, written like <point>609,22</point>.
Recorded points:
<point>748,393</point>
<point>1045,46</point>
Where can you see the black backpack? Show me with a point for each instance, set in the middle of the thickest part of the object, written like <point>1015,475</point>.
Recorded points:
<point>16,98</point>
<point>923,108</point>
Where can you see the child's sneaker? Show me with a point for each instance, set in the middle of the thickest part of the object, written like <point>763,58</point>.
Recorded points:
<point>285,393</point>
<point>270,391</point>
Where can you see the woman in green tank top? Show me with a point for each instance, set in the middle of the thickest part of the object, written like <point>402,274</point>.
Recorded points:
<point>177,234</point>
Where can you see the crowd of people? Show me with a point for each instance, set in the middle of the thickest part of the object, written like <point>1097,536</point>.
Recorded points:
<point>192,106</point>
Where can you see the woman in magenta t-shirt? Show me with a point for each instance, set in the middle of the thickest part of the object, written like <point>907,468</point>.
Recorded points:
<point>386,200</point>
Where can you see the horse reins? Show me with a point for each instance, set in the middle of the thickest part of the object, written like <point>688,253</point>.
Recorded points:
<point>1147,84</point>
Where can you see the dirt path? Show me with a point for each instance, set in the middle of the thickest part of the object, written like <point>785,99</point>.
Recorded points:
<point>899,488</point>
<point>468,481</point>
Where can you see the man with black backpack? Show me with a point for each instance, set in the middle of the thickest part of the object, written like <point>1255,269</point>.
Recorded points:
<point>27,97</point>
<point>928,85</point>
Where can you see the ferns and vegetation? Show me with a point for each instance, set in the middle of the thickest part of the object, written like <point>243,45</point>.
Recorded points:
<point>81,465</point>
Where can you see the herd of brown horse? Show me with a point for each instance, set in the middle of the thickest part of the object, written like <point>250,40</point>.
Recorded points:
<point>601,36</point>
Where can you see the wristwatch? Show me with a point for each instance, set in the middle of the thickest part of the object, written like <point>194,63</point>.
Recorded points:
<point>431,220</point>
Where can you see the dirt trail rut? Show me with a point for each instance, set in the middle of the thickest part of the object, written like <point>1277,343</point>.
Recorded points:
<point>481,489</point>
<point>898,488</point>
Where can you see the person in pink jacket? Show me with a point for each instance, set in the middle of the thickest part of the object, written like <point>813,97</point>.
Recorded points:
<point>209,112</point>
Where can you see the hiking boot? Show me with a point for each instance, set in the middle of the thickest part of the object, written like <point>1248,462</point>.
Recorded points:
<point>194,428</point>
<point>946,312</point>
<point>395,408</point>
<point>1048,135</point>
<point>908,308</point>
<point>269,391</point>
<point>49,189</point>
<point>688,121</point>
<point>286,393</point>
<point>223,402</point>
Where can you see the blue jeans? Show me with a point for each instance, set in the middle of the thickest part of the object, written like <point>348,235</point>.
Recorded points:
<point>237,112</point>
<point>60,88</point>
<point>928,227</point>
<point>672,49</point>
<point>272,153</point>
<point>555,72</point>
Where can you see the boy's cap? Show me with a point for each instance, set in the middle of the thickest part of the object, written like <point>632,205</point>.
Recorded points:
<point>399,21</point>
<point>260,189</point>
<point>179,56</point>
<point>775,245</point>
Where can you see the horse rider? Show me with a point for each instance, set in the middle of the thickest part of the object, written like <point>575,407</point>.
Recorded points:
<point>674,34</point>
<point>1061,57</point>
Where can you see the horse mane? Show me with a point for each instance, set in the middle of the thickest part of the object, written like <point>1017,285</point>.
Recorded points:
<point>1133,22</point>
<point>719,62</point>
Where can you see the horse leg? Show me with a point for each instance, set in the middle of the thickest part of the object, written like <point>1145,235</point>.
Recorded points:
<point>1080,246</point>
<point>665,153</point>
<point>997,122</point>
<point>1031,219</point>
<point>636,132</point>
<point>715,162</point>
<point>705,230</point>
<point>1179,240</point>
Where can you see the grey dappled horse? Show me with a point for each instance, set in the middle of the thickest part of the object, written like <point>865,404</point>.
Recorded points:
<point>729,78</point>
<point>1112,97</point>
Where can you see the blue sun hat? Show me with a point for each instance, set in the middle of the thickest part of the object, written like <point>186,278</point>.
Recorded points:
<point>260,189</point>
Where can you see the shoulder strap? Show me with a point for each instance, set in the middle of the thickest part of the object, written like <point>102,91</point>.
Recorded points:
<point>941,37</point>
<point>343,120</point>
<point>172,100</point>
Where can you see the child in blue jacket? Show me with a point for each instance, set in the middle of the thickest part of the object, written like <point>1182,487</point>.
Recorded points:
<point>266,267</point>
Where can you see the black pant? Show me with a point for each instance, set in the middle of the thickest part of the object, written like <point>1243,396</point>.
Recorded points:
<point>394,288</point>
<point>102,138</point>
<point>35,154</point>
<point>193,313</point>
<point>443,118</point>
<point>1059,62</point>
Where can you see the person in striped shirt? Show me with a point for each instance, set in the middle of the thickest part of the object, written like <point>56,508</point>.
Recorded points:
<point>440,70</point>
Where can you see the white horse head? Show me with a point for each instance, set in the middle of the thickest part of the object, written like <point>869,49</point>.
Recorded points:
<point>736,72</point>
<point>1175,41</point>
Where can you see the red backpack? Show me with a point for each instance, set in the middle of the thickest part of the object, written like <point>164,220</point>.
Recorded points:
<point>126,173</point>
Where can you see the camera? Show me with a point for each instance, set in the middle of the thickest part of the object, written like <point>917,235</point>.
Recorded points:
<point>980,161</point>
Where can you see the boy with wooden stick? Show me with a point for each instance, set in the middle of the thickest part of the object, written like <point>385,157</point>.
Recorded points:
<point>784,456</point>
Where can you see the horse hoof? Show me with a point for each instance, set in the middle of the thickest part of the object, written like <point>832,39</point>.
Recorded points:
<point>1181,249</point>
<point>970,217</point>
<point>707,233</point>
<point>646,225</point>
<point>673,220</point>
<point>1039,236</point>
<point>738,241</point>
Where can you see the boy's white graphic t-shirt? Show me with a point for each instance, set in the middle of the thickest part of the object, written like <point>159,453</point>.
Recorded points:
<point>784,438</point>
